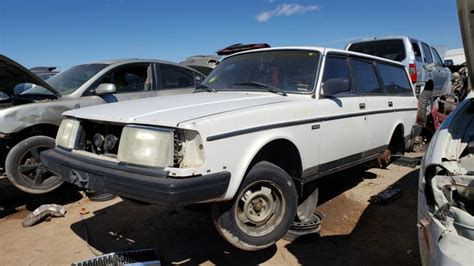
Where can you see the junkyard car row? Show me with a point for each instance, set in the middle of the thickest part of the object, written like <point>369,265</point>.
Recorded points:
<point>253,137</point>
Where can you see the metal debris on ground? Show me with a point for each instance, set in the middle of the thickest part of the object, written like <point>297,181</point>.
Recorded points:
<point>84,211</point>
<point>297,229</point>
<point>43,212</point>
<point>386,196</point>
<point>131,257</point>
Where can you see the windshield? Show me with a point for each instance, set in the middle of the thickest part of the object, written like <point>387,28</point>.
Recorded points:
<point>277,70</point>
<point>68,81</point>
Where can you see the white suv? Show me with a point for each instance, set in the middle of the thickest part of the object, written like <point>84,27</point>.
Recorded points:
<point>253,139</point>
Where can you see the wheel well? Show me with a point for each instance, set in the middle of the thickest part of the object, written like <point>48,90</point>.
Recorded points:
<point>397,142</point>
<point>49,130</point>
<point>35,130</point>
<point>429,85</point>
<point>282,153</point>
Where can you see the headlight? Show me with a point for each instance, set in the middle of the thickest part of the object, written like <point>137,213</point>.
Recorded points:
<point>146,146</point>
<point>67,133</point>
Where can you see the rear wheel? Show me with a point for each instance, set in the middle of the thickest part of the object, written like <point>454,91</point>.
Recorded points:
<point>262,210</point>
<point>23,166</point>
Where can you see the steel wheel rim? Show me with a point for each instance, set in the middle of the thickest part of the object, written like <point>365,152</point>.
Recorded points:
<point>260,208</point>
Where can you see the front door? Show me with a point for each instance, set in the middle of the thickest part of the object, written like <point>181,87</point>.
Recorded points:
<point>344,124</point>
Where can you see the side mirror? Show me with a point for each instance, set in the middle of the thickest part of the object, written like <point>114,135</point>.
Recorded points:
<point>105,88</point>
<point>335,86</point>
<point>448,62</point>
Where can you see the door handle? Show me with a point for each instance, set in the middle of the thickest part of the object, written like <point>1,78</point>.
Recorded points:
<point>390,104</point>
<point>361,105</point>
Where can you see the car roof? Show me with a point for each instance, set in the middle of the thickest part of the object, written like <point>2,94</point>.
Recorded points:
<point>322,50</point>
<point>368,39</point>
<point>115,62</point>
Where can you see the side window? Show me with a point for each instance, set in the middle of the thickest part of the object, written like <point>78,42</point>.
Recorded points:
<point>395,79</point>
<point>417,51</point>
<point>427,53</point>
<point>365,77</point>
<point>133,78</point>
<point>336,78</point>
<point>437,58</point>
<point>173,77</point>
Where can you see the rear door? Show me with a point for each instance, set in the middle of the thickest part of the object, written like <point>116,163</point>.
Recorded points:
<point>177,80</point>
<point>442,74</point>
<point>401,101</point>
<point>429,66</point>
<point>344,117</point>
<point>369,87</point>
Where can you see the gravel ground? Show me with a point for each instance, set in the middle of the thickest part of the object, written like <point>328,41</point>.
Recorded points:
<point>354,231</point>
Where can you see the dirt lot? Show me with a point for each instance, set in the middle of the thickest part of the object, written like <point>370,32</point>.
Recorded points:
<point>354,231</point>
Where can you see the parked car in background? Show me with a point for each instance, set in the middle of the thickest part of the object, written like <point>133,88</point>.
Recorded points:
<point>428,73</point>
<point>265,126</point>
<point>446,184</point>
<point>206,63</point>
<point>29,119</point>
<point>44,72</point>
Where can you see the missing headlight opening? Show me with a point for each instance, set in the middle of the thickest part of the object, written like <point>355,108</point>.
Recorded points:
<point>99,138</point>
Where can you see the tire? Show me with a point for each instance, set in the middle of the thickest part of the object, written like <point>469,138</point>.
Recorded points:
<point>21,166</point>
<point>425,104</point>
<point>245,222</point>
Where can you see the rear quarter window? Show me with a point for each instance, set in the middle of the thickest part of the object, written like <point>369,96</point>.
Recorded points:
<point>390,49</point>
<point>395,79</point>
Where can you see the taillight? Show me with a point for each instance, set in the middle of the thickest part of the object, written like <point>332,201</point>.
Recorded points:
<point>412,72</point>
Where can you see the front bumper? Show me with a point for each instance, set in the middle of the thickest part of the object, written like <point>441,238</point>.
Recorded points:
<point>138,183</point>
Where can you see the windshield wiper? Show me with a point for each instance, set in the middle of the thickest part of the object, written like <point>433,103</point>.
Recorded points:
<point>205,87</point>
<point>261,85</point>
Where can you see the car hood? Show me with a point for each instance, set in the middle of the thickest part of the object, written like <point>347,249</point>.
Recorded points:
<point>171,110</point>
<point>12,74</point>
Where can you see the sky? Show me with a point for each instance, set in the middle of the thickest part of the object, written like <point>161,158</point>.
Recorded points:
<point>67,32</point>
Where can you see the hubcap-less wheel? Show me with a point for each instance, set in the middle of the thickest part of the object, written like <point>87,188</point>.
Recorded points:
<point>261,211</point>
<point>24,168</point>
<point>30,168</point>
<point>260,208</point>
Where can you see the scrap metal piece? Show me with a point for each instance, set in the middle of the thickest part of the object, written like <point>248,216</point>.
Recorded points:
<point>42,212</point>
<point>131,257</point>
<point>386,196</point>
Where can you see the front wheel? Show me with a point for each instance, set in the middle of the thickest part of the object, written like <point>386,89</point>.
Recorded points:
<point>23,166</point>
<point>262,210</point>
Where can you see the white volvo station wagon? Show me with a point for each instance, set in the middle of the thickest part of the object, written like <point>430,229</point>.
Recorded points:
<point>253,139</point>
